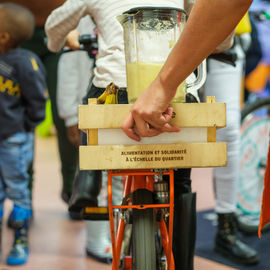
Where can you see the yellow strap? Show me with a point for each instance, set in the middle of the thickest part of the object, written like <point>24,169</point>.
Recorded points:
<point>243,26</point>
<point>96,210</point>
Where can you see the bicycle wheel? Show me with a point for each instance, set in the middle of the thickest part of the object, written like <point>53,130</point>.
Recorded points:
<point>143,233</point>
<point>255,118</point>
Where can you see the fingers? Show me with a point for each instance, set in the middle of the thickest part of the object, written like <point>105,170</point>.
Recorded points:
<point>75,46</point>
<point>142,128</point>
<point>145,128</point>
<point>152,125</point>
<point>72,40</point>
<point>148,131</point>
<point>144,118</point>
<point>168,116</point>
<point>169,128</point>
<point>128,128</point>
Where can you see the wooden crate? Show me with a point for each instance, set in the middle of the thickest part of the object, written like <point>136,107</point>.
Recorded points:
<point>194,146</point>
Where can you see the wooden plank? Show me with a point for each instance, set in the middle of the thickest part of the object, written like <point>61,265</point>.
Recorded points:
<point>92,134</point>
<point>92,137</point>
<point>210,99</point>
<point>186,115</point>
<point>155,156</point>
<point>211,131</point>
<point>211,134</point>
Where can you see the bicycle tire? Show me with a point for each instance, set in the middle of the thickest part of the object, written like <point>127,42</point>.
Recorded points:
<point>253,106</point>
<point>255,127</point>
<point>143,232</point>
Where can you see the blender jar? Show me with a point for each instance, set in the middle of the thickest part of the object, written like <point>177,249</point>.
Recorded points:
<point>149,36</point>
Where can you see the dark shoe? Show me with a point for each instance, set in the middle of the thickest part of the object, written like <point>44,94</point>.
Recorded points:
<point>87,185</point>
<point>20,251</point>
<point>75,215</point>
<point>229,244</point>
<point>17,217</point>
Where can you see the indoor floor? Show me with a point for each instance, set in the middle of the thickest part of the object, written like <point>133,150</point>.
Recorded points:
<point>58,243</point>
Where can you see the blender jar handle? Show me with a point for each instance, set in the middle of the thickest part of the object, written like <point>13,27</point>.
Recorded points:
<point>200,79</point>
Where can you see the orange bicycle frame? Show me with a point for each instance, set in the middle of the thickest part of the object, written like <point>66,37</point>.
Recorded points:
<point>140,179</point>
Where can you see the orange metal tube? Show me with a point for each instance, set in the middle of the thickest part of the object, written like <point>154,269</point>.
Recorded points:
<point>142,182</point>
<point>138,182</point>
<point>115,257</point>
<point>121,226</point>
<point>127,185</point>
<point>140,179</point>
<point>138,172</point>
<point>165,244</point>
<point>144,206</point>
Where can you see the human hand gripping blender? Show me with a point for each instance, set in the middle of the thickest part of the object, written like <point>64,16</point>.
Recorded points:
<point>149,36</point>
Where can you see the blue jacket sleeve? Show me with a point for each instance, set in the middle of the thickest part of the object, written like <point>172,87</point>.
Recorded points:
<point>33,88</point>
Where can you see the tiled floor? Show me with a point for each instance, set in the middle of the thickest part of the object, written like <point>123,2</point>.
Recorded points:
<point>56,242</point>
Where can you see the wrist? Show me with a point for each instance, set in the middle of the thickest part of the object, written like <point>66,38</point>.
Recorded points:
<point>166,87</point>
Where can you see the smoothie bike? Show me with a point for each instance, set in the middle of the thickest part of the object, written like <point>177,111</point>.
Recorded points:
<point>148,200</point>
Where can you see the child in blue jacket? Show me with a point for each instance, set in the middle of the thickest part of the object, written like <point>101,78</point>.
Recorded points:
<point>22,104</point>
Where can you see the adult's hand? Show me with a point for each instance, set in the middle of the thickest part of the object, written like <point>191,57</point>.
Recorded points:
<point>72,40</point>
<point>150,114</point>
<point>73,135</point>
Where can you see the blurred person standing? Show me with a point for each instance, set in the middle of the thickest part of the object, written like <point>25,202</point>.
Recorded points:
<point>22,108</point>
<point>225,69</point>
<point>67,151</point>
<point>75,71</point>
<point>224,79</point>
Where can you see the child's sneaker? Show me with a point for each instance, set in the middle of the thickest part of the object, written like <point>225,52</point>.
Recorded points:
<point>19,254</point>
<point>20,251</point>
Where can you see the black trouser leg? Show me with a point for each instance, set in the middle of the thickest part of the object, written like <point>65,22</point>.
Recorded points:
<point>184,231</point>
<point>67,151</point>
<point>86,188</point>
<point>184,223</point>
<point>87,184</point>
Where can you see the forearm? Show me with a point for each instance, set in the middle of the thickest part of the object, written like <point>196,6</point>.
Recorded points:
<point>68,86</point>
<point>210,22</point>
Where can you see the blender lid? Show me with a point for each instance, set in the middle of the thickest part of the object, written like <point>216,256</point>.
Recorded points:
<point>147,8</point>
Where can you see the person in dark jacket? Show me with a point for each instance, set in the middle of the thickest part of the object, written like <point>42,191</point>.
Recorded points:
<point>68,153</point>
<point>22,108</point>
